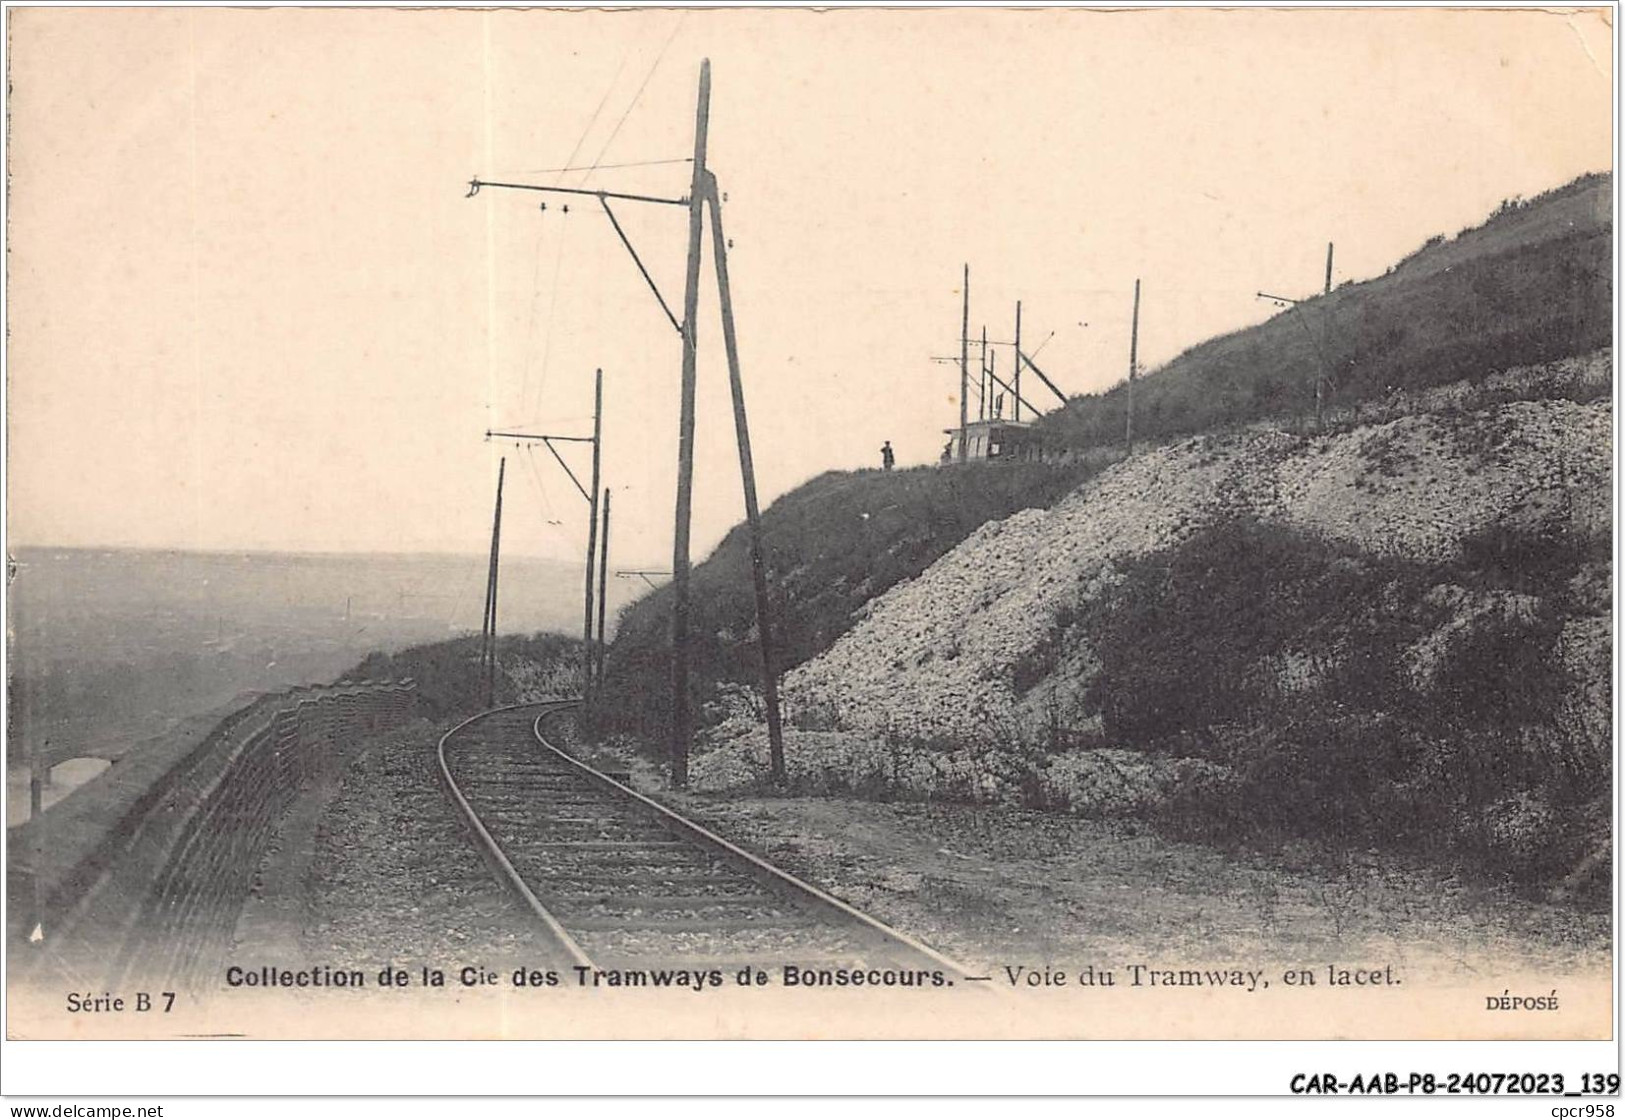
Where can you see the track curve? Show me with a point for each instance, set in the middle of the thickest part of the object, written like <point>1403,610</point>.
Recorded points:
<point>619,880</point>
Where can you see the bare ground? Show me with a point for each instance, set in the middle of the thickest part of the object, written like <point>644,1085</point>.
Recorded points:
<point>992,886</point>
<point>387,873</point>
<point>391,875</point>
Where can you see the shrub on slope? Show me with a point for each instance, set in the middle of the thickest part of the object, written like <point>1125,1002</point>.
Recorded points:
<point>448,673</point>
<point>1360,699</point>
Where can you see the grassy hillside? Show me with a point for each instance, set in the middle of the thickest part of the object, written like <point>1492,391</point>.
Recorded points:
<point>1531,284</point>
<point>832,544</point>
<point>541,666</point>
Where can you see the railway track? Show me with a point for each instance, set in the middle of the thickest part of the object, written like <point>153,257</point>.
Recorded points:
<point>620,881</point>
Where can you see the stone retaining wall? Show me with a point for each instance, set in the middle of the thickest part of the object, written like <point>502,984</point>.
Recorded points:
<point>154,892</point>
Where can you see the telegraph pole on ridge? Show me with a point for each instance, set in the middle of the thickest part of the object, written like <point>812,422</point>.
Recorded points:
<point>964,367</point>
<point>981,381</point>
<point>1016,379</point>
<point>1320,346</point>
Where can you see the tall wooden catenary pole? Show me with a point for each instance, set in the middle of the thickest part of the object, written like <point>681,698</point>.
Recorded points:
<point>587,657</point>
<point>747,475</point>
<point>603,581</point>
<point>680,720</point>
<point>964,366</point>
<point>1328,268</point>
<point>39,771</point>
<point>490,665</point>
<point>1133,364</point>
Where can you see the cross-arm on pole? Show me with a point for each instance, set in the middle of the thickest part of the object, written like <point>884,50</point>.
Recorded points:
<point>547,441</point>
<point>475,185</point>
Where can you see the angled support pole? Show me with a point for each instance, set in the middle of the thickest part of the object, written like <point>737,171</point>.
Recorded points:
<point>1005,385</point>
<point>603,592</point>
<point>747,474</point>
<point>1030,364</point>
<point>587,690</point>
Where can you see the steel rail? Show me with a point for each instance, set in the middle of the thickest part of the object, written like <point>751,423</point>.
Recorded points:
<point>494,850</point>
<point>696,835</point>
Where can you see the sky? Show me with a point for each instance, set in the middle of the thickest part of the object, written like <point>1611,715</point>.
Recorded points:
<point>250,306</point>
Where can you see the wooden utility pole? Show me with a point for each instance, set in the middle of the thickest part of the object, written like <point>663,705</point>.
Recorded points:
<point>489,653</point>
<point>591,498</point>
<point>38,770</point>
<point>1016,380</point>
<point>587,658</point>
<point>747,476</point>
<point>1327,333</point>
<point>964,366</point>
<point>981,381</point>
<point>1321,345</point>
<point>681,728</point>
<point>485,617</point>
<point>603,579</point>
<point>1133,364</point>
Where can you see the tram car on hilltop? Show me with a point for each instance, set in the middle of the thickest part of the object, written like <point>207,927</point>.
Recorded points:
<point>992,439</point>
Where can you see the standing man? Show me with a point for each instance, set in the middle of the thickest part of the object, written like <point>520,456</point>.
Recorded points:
<point>887,459</point>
